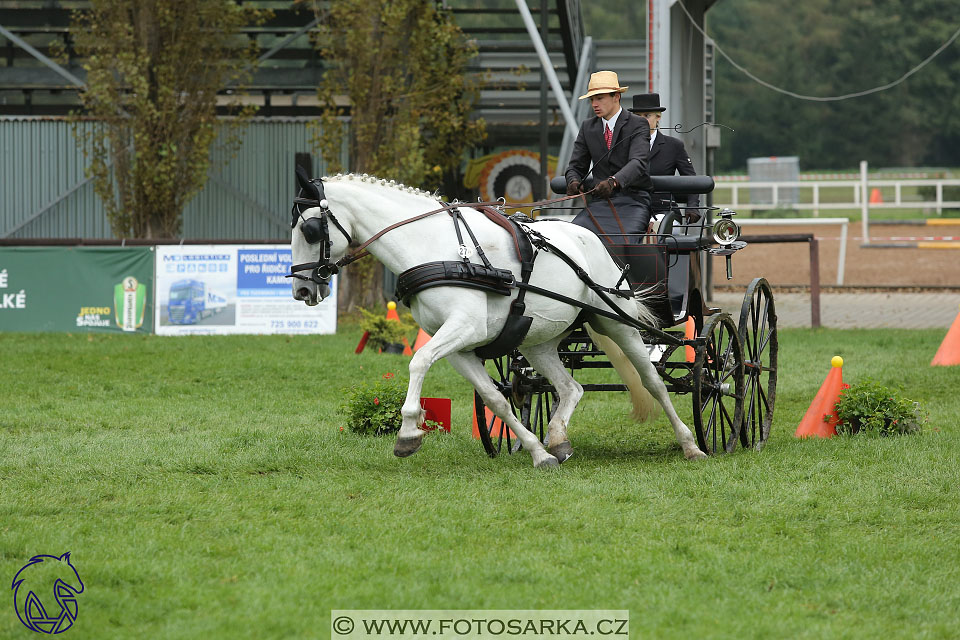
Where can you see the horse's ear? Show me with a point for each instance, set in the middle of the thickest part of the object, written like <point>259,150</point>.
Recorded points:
<point>303,180</point>
<point>309,188</point>
<point>66,557</point>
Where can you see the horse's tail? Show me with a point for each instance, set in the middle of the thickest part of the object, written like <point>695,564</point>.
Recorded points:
<point>645,407</point>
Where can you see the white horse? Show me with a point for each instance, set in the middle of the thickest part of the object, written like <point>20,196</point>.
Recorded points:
<point>461,319</point>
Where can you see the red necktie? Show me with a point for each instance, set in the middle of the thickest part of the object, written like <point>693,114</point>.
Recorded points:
<point>607,135</point>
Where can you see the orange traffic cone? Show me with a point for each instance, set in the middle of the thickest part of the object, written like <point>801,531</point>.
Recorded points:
<point>813,422</point>
<point>422,338</point>
<point>392,311</point>
<point>488,416</point>
<point>949,351</point>
<point>690,332</point>
<point>875,196</point>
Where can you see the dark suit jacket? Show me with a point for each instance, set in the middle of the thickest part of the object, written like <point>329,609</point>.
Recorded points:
<point>668,157</point>
<point>627,157</point>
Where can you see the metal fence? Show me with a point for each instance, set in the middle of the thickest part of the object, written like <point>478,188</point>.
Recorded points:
<point>45,192</point>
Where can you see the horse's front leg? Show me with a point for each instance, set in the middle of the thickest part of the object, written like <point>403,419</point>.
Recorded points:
<point>452,336</point>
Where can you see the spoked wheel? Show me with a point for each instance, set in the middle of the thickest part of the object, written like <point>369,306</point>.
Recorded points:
<point>531,399</point>
<point>758,335</point>
<point>718,383</point>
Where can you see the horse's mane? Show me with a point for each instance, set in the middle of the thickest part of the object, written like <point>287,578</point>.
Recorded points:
<point>392,184</point>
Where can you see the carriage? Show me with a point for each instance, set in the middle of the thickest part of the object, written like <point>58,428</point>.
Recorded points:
<point>728,368</point>
<point>465,270</point>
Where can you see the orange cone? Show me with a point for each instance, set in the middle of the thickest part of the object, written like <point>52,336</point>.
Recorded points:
<point>392,311</point>
<point>690,332</point>
<point>407,351</point>
<point>813,423</point>
<point>422,338</point>
<point>875,196</point>
<point>949,352</point>
<point>488,416</point>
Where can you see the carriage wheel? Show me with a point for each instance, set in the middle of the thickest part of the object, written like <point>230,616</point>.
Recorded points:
<point>758,335</point>
<point>530,398</point>
<point>718,383</point>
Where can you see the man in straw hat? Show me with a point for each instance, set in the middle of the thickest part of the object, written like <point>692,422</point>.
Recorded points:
<point>668,156</point>
<point>617,142</point>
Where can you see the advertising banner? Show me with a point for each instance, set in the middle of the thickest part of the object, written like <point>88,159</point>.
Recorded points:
<point>230,289</point>
<point>103,289</point>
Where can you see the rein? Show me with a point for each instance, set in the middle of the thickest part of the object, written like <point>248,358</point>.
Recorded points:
<point>361,252</point>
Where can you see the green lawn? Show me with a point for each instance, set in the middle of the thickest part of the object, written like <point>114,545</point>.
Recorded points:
<point>205,490</point>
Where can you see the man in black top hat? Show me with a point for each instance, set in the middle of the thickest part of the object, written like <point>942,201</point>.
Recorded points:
<point>617,143</point>
<point>667,156</point>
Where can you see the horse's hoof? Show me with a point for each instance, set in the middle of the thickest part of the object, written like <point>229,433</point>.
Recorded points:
<point>407,446</point>
<point>695,454</point>
<point>561,451</point>
<point>548,463</point>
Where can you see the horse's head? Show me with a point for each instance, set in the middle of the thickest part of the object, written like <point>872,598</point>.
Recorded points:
<point>314,249</point>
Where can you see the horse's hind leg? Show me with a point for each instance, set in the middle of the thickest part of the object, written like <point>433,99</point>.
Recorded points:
<point>546,361</point>
<point>629,340</point>
<point>471,368</point>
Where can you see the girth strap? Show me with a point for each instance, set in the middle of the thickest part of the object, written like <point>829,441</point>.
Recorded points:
<point>457,274</point>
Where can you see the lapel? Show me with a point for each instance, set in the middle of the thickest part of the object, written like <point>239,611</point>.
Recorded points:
<point>657,144</point>
<point>621,123</point>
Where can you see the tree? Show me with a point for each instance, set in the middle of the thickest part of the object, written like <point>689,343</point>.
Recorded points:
<point>823,48</point>
<point>397,80</point>
<point>153,71</point>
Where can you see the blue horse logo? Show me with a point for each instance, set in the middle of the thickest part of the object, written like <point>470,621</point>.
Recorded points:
<point>39,576</point>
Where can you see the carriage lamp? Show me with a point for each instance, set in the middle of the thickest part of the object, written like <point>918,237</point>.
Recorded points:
<point>725,230</point>
<point>726,233</point>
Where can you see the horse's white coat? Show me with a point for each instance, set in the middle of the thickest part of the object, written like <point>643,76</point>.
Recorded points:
<point>461,319</point>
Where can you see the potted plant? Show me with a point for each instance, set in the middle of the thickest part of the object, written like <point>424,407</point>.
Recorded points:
<point>384,334</point>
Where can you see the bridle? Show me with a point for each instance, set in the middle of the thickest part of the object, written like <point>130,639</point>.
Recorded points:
<point>316,230</point>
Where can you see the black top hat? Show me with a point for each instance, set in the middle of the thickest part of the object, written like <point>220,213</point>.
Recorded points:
<point>647,102</point>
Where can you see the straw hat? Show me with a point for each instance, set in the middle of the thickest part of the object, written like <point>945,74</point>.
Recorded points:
<point>603,82</point>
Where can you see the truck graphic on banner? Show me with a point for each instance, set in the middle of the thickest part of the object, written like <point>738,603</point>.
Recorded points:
<point>192,300</point>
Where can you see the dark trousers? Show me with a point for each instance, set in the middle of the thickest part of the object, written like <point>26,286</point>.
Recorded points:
<point>629,216</point>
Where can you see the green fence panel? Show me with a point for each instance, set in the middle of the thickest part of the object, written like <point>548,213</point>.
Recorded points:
<point>77,289</point>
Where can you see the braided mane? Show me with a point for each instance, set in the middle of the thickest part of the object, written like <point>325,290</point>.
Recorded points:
<point>393,184</point>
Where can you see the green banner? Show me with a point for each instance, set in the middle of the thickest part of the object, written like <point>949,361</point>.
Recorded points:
<point>103,289</point>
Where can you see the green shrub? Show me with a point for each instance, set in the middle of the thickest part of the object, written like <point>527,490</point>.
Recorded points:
<point>385,332</point>
<point>375,409</point>
<point>869,407</point>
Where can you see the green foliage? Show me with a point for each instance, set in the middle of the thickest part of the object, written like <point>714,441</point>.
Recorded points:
<point>374,410</point>
<point>384,332</point>
<point>823,48</point>
<point>154,68</point>
<point>399,70</point>
<point>869,407</point>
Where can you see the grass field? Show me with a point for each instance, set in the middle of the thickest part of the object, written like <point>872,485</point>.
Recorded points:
<point>205,490</point>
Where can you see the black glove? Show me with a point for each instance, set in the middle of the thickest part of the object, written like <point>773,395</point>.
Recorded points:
<point>693,216</point>
<point>604,189</point>
<point>573,187</point>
